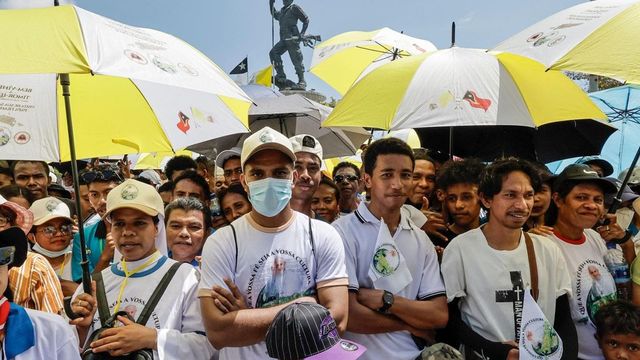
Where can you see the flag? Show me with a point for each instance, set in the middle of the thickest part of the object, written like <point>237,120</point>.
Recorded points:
<point>538,338</point>
<point>263,77</point>
<point>388,269</point>
<point>240,73</point>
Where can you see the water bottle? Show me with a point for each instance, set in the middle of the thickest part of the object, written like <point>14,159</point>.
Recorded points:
<point>619,269</point>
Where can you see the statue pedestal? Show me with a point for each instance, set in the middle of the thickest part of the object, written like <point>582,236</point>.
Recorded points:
<point>309,94</point>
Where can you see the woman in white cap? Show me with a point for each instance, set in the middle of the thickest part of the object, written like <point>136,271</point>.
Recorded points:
<point>174,330</point>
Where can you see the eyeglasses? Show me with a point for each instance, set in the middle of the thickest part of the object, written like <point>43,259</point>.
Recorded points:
<point>6,255</point>
<point>341,178</point>
<point>101,175</point>
<point>51,230</point>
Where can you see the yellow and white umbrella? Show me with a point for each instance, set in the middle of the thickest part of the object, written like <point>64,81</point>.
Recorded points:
<point>133,89</point>
<point>345,58</point>
<point>596,37</point>
<point>409,136</point>
<point>462,87</point>
<point>158,160</point>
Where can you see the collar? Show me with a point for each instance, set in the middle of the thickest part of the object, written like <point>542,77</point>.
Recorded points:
<point>364,215</point>
<point>20,330</point>
<point>580,241</point>
<point>116,268</point>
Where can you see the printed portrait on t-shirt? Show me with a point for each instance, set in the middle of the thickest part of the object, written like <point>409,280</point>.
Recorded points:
<point>278,278</point>
<point>594,288</point>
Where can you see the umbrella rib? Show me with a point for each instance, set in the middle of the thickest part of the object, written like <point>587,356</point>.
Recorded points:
<point>375,50</point>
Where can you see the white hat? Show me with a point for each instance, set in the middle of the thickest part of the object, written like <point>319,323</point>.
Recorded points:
<point>152,176</point>
<point>226,154</point>
<point>635,175</point>
<point>265,139</point>
<point>135,195</point>
<point>49,208</point>
<point>306,143</point>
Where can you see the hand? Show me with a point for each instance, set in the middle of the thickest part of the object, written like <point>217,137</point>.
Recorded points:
<point>514,354</point>
<point>109,248</point>
<point>428,335</point>
<point>228,301</point>
<point>541,230</point>
<point>125,167</point>
<point>612,231</point>
<point>371,298</point>
<point>435,223</point>
<point>85,306</point>
<point>125,339</point>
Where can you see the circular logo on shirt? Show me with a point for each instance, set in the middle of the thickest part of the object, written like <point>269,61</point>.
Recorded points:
<point>540,339</point>
<point>129,192</point>
<point>386,259</point>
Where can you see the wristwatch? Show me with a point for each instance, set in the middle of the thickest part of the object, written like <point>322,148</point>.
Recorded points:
<point>387,301</point>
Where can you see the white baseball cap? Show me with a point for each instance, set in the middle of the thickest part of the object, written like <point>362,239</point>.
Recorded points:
<point>137,195</point>
<point>226,154</point>
<point>266,139</point>
<point>49,208</point>
<point>306,143</point>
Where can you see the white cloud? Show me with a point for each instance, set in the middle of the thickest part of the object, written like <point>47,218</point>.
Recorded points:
<point>467,17</point>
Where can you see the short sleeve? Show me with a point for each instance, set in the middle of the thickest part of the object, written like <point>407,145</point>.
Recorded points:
<point>563,280</point>
<point>218,260</point>
<point>416,216</point>
<point>350,257</point>
<point>453,271</point>
<point>431,284</point>
<point>330,253</point>
<point>635,271</point>
<point>76,259</point>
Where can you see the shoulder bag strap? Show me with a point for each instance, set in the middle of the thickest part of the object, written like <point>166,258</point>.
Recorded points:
<point>235,242</point>
<point>313,244</point>
<point>157,294</point>
<point>101,298</point>
<point>533,266</point>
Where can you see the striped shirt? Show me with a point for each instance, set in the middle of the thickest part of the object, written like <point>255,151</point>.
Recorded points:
<point>35,285</point>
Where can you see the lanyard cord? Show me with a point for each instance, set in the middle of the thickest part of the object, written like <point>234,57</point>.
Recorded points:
<point>66,259</point>
<point>128,274</point>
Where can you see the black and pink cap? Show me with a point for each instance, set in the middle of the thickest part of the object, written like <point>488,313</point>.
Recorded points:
<point>307,331</point>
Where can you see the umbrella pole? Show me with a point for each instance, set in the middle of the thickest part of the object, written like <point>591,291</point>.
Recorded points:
<point>86,275</point>
<point>618,199</point>
<point>450,142</point>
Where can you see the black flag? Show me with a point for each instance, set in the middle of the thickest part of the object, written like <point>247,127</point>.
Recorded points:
<point>242,68</point>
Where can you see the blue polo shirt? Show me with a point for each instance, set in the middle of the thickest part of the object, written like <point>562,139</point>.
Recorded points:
<point>95,244</point>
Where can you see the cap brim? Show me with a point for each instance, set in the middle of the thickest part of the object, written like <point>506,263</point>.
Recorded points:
<point>271,146</point>
<point>224,155</point>
<point>14,236</point>
<point>49,218</point>
<point>145,209</point>
<point>343,350</point>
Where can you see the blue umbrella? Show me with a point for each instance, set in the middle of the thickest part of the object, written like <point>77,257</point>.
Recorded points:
<point>622,106</point>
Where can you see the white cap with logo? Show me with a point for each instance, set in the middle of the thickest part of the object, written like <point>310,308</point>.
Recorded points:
<point>135,195</point>
<point>49,208</point>
<point>306,143</point>
<point>266,139</point>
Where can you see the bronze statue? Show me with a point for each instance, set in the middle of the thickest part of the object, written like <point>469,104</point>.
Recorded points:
<point>290,39</point>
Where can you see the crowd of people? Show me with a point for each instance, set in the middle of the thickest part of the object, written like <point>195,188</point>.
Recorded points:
<point>264,253</point>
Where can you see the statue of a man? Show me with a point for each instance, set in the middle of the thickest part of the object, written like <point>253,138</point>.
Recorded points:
<point>290,38</point>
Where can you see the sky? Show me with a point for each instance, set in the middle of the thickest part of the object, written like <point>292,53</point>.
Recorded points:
<point>229,30</point>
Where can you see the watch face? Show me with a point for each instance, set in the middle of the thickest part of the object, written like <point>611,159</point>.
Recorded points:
<point>387,298</point>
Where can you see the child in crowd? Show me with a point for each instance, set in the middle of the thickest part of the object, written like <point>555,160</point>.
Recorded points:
<point>618,331</point>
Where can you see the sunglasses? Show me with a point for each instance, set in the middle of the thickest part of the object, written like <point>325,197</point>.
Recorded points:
<point>102,175</point>
<point>341,178</point>
<point>51,230</point>
<point>6,255</point>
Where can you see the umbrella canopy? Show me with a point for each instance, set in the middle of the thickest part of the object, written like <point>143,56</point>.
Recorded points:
<point>596,37</point>
<point>409,136</point>
<point>133,89</point>
<point>158,160</point>
<point>345,58</point>
<point>462,87</point>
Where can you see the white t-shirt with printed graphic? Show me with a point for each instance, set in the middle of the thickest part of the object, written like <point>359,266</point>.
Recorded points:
<point>359,231</point>
<point>177,317</point>
<point>274,266</point>
<point>593,286</point>
<point>487,281</point>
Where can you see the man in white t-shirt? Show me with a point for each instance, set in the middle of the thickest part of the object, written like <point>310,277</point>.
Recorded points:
<point>487,271</point>
<point>308,162</point>
<point>394,279</point>
<point>268,258</point>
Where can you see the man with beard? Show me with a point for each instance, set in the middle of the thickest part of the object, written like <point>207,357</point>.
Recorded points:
<point>308,161</point>
<point>347,176</point>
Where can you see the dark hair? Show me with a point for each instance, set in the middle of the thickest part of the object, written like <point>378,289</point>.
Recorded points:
<point>193,176</point>
<point>494,175</point>
<point>467,171</point>
<point>145,180</point>
<point>6,171</point>
<point>423,154</point>
<point>345,164</point>
<point>327,181</point>
<point>232,157</point>
<point>167,186</point>
<point>386,146</point>
<point>13,190</point>
<point>563,189</point>
<point>44,165</point>
<point>105,173</point>
<point>179,163</point>
<point>618,317</point>
<point>189,204</point>
<point>232,189</point>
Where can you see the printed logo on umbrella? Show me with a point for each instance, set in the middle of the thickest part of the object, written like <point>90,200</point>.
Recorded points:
<point>475,101</point>
<point>183,122</point>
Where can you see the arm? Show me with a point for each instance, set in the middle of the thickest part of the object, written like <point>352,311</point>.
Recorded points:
<point>106,255</point>
<point>565,328</point>
<point>302,16</point>
<point>336,300</point>
<point>46,291</point>
<point>363,320</point>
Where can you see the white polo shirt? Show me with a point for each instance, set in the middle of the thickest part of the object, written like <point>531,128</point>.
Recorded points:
<point>359,232</point>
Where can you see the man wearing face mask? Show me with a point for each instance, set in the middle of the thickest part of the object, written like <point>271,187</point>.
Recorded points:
<point>240,262</point>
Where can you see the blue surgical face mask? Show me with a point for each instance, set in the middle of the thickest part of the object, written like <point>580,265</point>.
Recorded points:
<point>270,196</point>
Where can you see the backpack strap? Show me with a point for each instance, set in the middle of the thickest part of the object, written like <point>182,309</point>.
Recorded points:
<point>101,298</point>
<point>235,241</point>
<point>533,266</point>
<point>157,294</point>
